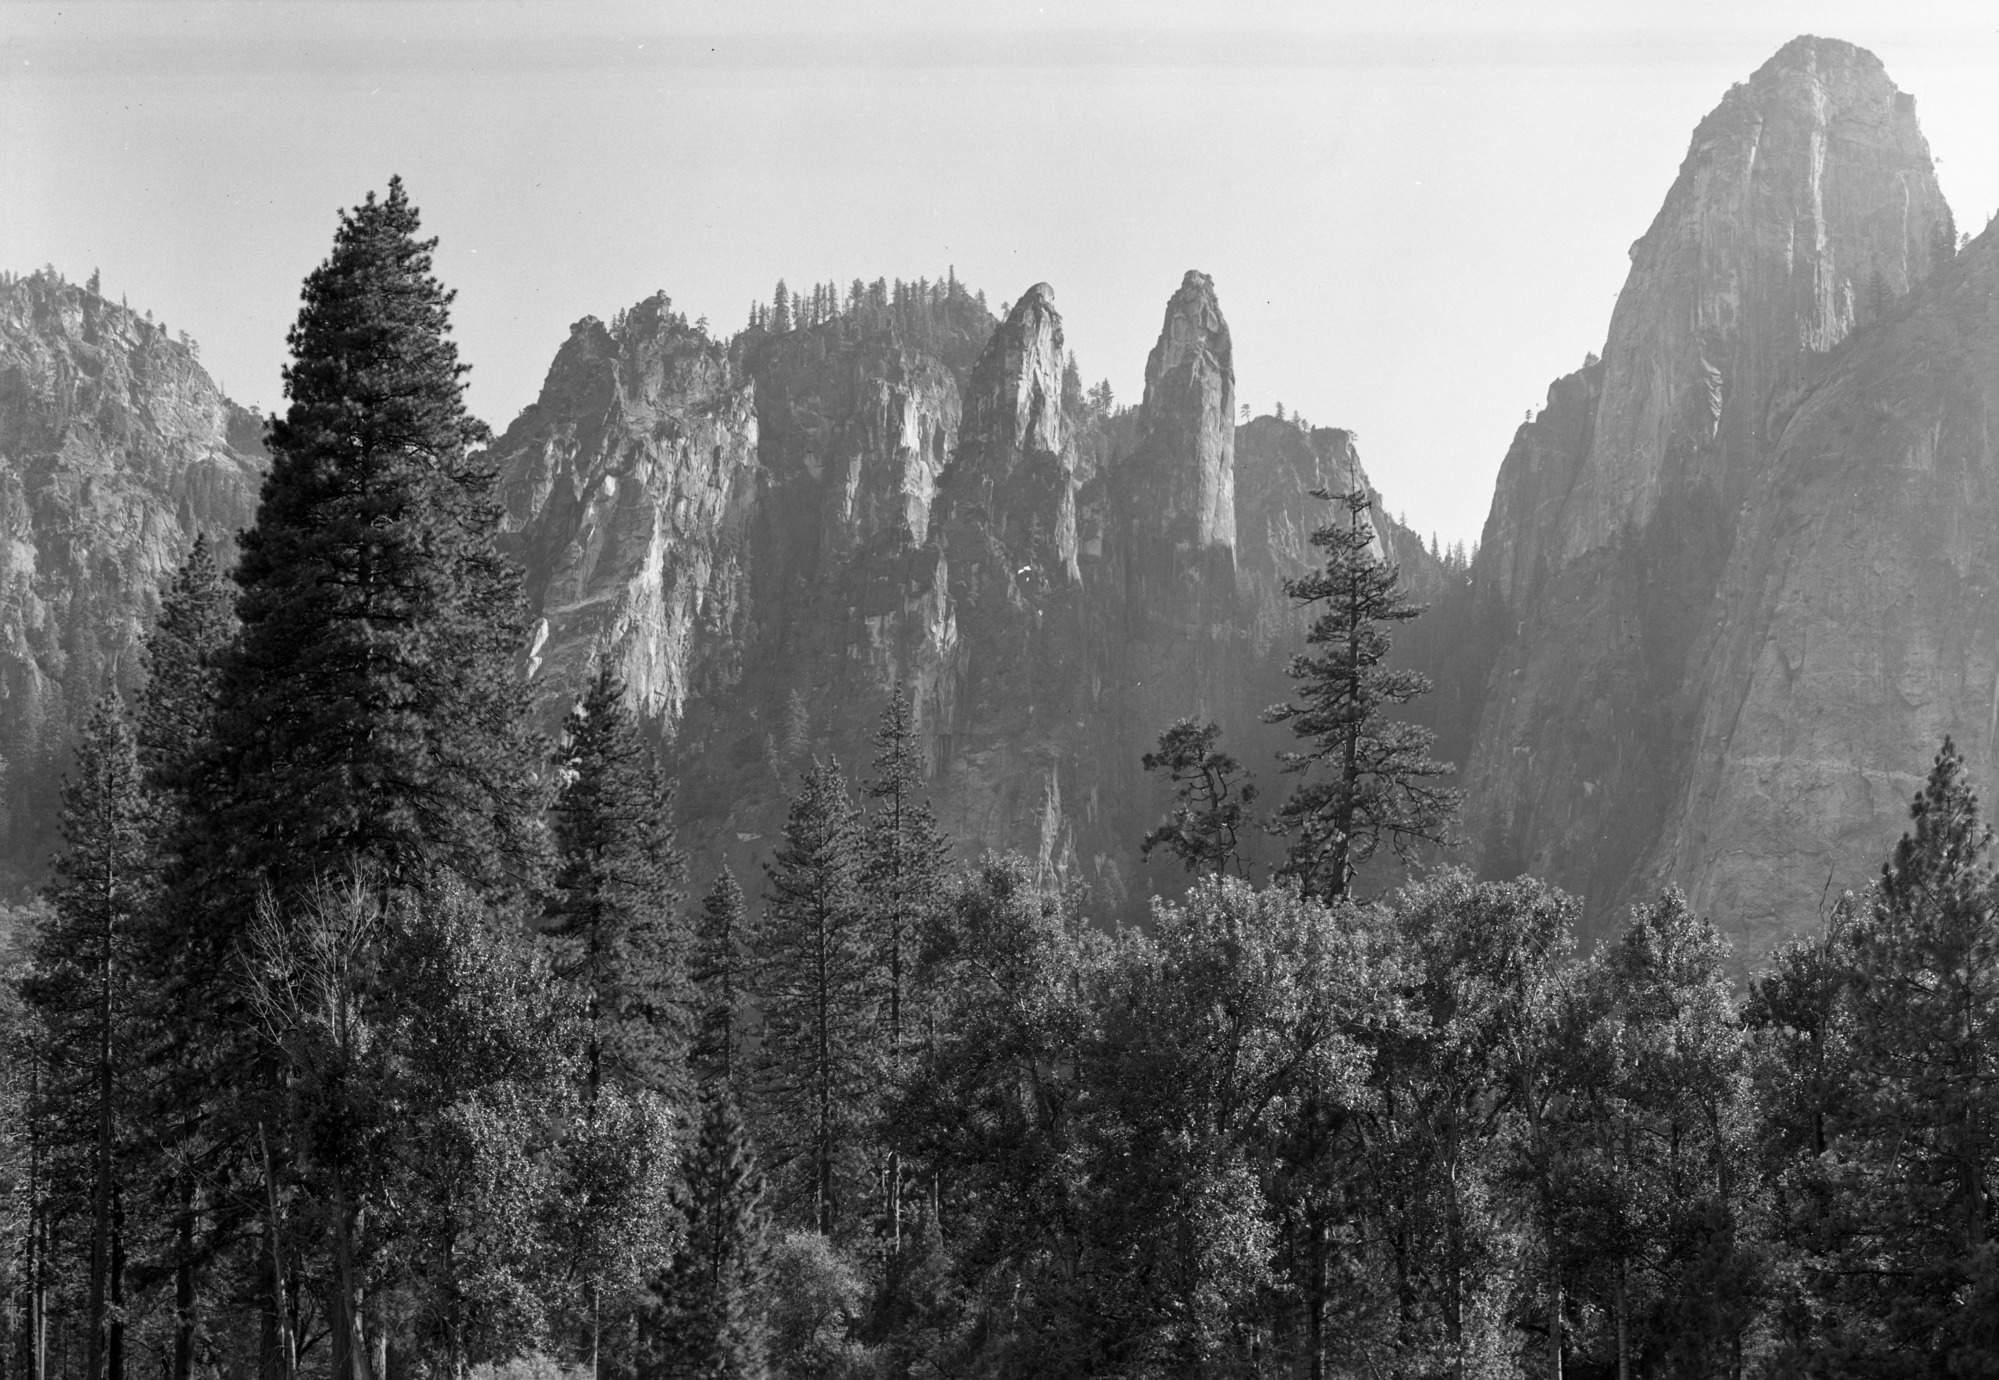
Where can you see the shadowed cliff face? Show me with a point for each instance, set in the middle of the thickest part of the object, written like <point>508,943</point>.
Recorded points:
<point>1858,620</point>
<point>1806,203</point>
<point>116,449</point>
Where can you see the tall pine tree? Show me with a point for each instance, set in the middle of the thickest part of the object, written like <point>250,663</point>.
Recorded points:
<point>816,982</point>
<point>184,654</point>
<point>723,975</point>
<point>185,1048</point>
<point>84,987</point>
<point>370,714</point>
<point>902,891</point>
<point>1368,779</point>
<point>370,731</point>
<point>1916,1277</point>
<point>615,916</point>
<point>712,1298</point>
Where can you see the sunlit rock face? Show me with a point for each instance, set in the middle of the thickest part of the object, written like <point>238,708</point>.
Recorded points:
<point>116,450</point>
<point>1807,208</point>
<point>767,536</point>
<point>628,487</point>
<point>1182,475</point>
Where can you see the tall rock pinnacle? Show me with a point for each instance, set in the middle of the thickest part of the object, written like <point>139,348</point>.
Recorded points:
<point>1185,462</point>
<point>1016,465</point>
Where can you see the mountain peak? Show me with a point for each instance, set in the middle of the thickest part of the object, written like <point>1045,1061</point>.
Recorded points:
<point>1811,52</point>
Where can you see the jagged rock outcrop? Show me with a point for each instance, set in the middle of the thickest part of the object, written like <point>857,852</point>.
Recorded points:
<point>770,535</point>
<point>1806,205</point>
<point>628,487</point>
<point>116,449</point>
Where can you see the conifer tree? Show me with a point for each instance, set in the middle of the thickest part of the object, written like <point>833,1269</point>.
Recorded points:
<point>1210,805</point>
<point>614,918</point>
<point>84,990</point>
<point>816,979</point>
<point>722,974</point>
<point>1367,778</point>
<point>370,731</point>
<point>713,1323</point>
<point>902,891</point>
<point>1915,1276</point>
<point>370,710</point>
<point>184,653</point>
<point>902,888</point>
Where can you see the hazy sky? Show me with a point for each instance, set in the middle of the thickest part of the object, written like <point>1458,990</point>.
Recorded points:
<point>1416,213</point>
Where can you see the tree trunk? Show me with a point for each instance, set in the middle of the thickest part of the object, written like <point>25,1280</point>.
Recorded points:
<point>596,1329</point>
<point>350,1343</point>
<point>1454,1302</point>
<point>100,1188</point>
<point>280,1344</point>
<point>184,1284</point>
<point>37,1262</point>
<point>114,1349</point>
<point>895,1065</point>
<point>1554,1325</point>
<point>1315,1297</point>
<point>1623,1327</point>
<point>824,1148</point>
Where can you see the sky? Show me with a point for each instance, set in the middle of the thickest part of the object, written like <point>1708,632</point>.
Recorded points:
<point>1416,214</point>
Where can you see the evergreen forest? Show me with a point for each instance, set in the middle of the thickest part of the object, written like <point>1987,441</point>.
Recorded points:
<point>367,1034</point>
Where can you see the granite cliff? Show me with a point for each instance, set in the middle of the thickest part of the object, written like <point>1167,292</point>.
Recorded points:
<point>116,449</point>
<point>1633,516</point>
<point>768,535</point>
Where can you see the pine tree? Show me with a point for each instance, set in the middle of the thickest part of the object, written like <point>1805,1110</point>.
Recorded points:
<point>712,1299</point>
<point>615,916</point>
<point>370,731</point>
<point>1210,806</point>
<point>815,978</point>
<point>184,653</point>
<point>1664,1176</point>
<point>722,976</point>
<point>84,990</point>
<point>902,889</point>
<point>370,712</point>
<point>1369,777</point>
<point>1916,1273</point>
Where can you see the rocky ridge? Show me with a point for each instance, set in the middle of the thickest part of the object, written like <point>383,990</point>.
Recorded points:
<point>1051,583</point>
<point>116,449</point>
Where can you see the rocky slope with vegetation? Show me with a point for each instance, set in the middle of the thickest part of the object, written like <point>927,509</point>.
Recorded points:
<point>766,536</point>
<point>116,449</point>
